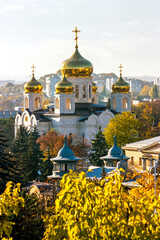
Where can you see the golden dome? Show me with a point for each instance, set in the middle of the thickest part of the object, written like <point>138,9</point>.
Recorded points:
<point>33,86</point>
<point>64,86</point>
<point>120,86</point>
<point>94,87</point>
<point>77,66</point>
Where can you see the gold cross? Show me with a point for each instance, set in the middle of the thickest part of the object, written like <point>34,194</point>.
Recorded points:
<point>76,31</point>
<point>120,66</point>
<point>33,67</point>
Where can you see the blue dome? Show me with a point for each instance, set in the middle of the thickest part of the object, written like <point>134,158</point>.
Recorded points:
<point>65,154</point>
<point>65,151</point>
<point>115,151</point>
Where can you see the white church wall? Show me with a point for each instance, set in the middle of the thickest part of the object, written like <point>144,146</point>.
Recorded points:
<point>117,102</point>
<point>104,119</point>
<point>66,124</point>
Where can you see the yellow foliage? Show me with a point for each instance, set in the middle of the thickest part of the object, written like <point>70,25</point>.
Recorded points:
<point>124,126</point>
<point>89,210</point>
<point>10,202</point>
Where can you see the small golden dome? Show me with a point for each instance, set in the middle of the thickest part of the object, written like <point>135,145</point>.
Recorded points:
<point>120,86</point>
<point>33,86</point>
<point>94,87</point>
<point>64,86</point>
<point>77,66</point>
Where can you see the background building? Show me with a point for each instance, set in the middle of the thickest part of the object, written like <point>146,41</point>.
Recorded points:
<point>50,84</point>
<point>135,84</point>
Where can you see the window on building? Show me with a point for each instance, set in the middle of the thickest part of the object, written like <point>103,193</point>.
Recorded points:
<point>114,103</point>
<point>65,167</point>
<point>84,91</point>
<point>68,103</point>
<point>76,91</point>
<point>26,102</point>
<point>57,103</point>
<point>144,164</point>
<point>151,163</point>
<point>132,160</point>
<point>37,102</point>
<point>140,161</point>
<point>74,167</point>
<point>90,90</point>
<point>56,167</point>
<point>125,103</point>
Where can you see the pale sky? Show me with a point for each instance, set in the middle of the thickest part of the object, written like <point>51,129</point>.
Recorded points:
<point>112,32</point>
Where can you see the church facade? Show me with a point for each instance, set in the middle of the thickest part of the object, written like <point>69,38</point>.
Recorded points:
<point>76,109</point>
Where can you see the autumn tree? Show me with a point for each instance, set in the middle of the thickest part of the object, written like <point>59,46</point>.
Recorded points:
<point>99,148</point>
<point>145,91</point>
<point>148,115</point>
<point>80,146</point>
<point>154,92</point>
<point>52,142</point>
<point>87,209</point>
<point>10,203</point>
<point>124,126</point>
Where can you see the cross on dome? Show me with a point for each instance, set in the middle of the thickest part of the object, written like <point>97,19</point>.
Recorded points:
<point>33,69</point>
<point>120,66</point>
<point>76,31</point>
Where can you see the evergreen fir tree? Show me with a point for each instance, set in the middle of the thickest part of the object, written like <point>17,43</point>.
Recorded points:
<point>19,149</point>
<point>7,169</point>
<point>27,154</point>
<point>34,154</point>
<point>46,167</point>
<point>29,222</point>
<point>154,93</point>
<point>99,148</point>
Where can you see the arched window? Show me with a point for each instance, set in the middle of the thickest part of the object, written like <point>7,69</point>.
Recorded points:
<point>114,103</point>
<point>24,119</point>
<point>90,91</point>
<point>57,103</point>
<point>84,91</point>
<point>37,102</point>
<point>124,103</point>
<point>76,91</point>
<point>68,103</point>
<point>26,102</point>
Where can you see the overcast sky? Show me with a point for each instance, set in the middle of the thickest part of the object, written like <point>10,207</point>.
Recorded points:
<point>112,32</point>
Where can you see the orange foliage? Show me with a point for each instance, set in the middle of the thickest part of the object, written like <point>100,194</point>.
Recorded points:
<point>52,142</point>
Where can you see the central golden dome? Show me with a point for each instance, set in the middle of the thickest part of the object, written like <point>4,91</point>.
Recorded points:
<point>76,65</point>
<point>64,86</point>
<point>33,86</point>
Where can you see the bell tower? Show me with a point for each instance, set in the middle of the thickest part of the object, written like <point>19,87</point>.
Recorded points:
<point>64,98</point>
<point>33,95</point>
<point>120,95</point>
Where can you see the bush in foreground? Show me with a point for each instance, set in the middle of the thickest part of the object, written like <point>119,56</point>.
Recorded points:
<point>91,210</point>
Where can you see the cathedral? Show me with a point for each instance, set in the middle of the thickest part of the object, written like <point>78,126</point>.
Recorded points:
<point>76,109</point>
